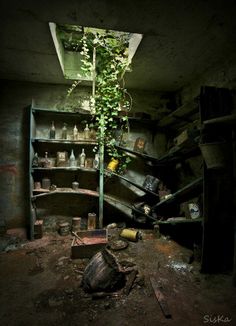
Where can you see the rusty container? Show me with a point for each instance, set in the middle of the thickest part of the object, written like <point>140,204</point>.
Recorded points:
<point>76,224</point>
<point>64,228</point>
<point>92,221</point>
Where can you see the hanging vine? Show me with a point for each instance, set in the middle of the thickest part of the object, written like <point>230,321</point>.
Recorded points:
<point>111,97</point>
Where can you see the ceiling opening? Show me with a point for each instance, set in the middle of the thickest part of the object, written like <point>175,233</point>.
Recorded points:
<point>67,42</point>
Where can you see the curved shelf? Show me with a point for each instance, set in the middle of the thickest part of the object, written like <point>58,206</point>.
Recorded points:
<point>45,192</point>
<point>182,221</point>
<point>194,186</point>
<point>109,173</point>
<point>77,168</point>
<point>180,115</point>
<point>146,156</point>
<point>176,154</point>
<point>65,141</point>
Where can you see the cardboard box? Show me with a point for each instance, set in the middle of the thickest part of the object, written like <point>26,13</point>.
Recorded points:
<point>93,241</point>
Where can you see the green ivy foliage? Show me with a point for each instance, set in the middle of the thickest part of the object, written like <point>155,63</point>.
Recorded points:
<point>111,97</point>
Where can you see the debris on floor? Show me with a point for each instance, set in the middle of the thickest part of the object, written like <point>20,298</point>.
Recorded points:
<point>47,284</point>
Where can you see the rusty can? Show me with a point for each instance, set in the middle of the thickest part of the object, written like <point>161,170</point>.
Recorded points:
<point>76,223</point>
<point>132,235</point>
<point>64,228</point>
<point>91,221</point>
<point>113,164</point>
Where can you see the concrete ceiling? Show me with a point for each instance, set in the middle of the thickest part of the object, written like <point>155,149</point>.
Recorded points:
<point>182,39</point>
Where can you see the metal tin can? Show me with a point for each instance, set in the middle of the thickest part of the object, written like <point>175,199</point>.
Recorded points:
<point>64,228</point>
<point>112,165</point>
<point>91,221</point>
<point>46,183</point>
<point>76,222</point>
<point>75,185</point>
<point>132,235</point>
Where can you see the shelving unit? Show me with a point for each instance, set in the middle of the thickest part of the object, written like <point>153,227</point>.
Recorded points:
<point>61,176</point>
<point>109,173</point>
<point>182,116</point>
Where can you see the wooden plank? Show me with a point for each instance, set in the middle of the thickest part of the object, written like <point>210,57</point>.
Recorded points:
<point>130,282</point>
<point>132,183</point>
<point>182,192</point>
<point>229,119</point>
<point>160,298</point>
<point>182,112</point>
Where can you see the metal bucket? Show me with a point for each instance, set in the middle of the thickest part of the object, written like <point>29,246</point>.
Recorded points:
<point>215,154</point>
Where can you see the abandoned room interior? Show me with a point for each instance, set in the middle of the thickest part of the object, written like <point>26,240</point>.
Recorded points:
<point>117,171</point>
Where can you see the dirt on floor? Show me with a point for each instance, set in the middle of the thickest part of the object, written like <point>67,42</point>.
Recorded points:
<point>40,284</point>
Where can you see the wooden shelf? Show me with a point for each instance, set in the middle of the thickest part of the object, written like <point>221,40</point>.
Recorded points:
<point>227,120</point>
<point>45,192</point>
<point>182,114</point>
<point>177,221</point>
<point>65,141</point>
<point>110,173</point>
<point>146,156</point>
<point>186,191</point>
<point>174,155</point>
<point>61,112</point>
<point>77,168</point>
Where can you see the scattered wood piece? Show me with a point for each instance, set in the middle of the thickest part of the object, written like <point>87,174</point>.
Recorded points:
<point>76,235</point>
<point>130,282</point>
<point>100,295</point>
<point>160,298</point>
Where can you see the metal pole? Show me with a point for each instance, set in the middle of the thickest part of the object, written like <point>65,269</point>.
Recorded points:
<point>101,173</point>
<point>101,149</point>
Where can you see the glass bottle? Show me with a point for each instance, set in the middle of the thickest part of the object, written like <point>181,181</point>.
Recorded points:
<point>35,161</point>
<point>47,162</point>
<point>52,132</point>
<point>75,183</point>
<point>64,131</point>
<point>75,133</point>
<point>86,132</point>
<point>96,161</point>
<point>82,158</point>
<point>72,161</point>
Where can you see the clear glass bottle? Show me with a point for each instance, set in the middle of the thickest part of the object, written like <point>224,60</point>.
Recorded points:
<point>64,131</point>
<point>72,161</point>
<point>52,132</point>
<point>35,161</point>
<point>86,132</point>
<point>82,158</point>
<point>47,162</point>
<point>75,133</point>
<point>96,161</point>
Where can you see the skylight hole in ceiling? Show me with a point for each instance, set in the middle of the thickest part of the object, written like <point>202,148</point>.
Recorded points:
<point>67,42</point>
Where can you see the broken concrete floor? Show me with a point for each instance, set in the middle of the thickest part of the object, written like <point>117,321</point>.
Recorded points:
<point>40,285</point>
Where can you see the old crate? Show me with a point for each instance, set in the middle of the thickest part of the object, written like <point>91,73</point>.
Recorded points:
<point>93,241</point>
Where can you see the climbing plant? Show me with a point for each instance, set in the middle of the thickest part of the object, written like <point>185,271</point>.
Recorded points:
<point>105,56</point>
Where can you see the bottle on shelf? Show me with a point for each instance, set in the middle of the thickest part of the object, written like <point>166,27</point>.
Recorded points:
<point>52,132</point>
<point>75,133</point>
<point>47,162</point>
<point>82,159</point>
<point>75,183</point>
<point>35,161</point>
<point>96,161</point>
<point>64,131</point>
<point>72,161</point>
<point>86,132</point>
